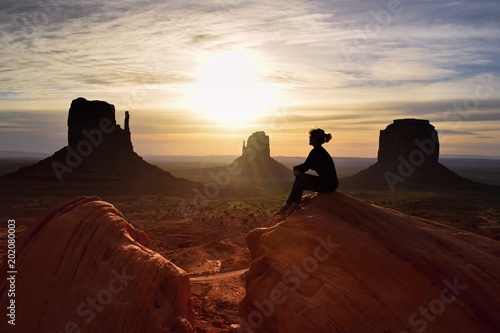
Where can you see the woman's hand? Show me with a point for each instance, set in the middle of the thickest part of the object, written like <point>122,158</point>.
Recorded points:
<point>296,172</point>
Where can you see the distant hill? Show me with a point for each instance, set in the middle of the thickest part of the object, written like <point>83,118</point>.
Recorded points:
<point>484,170</point>
<point>469,156</point>
<point>222,159</point>
<point>22,154</point>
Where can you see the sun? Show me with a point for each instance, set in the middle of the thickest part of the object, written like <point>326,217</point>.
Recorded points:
<point>230,88</point>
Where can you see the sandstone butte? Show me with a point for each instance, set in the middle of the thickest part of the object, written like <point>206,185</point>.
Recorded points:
<point>82,268</point>
<point>341,265</point>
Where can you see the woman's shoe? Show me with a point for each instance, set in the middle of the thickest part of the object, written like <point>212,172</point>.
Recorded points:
<point>293,207</point>
<point>283,209</point>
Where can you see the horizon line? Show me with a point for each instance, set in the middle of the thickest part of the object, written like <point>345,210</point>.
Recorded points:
<point>19,152</point>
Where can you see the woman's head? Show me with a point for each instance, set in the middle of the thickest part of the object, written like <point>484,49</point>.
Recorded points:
<point>317,136</point>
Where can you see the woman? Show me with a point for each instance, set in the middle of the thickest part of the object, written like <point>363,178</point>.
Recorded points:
<point>318,160</point>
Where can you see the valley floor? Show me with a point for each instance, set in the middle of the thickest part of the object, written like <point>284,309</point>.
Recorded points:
<point>210,238</point>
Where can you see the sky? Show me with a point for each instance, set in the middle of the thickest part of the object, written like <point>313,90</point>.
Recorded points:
<point>198,77</point>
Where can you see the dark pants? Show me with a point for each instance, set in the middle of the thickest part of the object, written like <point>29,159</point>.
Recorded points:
<point>305,181</point>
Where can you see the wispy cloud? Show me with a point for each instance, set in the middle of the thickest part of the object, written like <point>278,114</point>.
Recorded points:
<point>363,61</point>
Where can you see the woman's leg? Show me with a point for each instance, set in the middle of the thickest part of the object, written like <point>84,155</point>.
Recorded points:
<point>303,182</point>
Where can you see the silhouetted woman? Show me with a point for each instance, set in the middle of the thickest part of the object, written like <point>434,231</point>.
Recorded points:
<point>318,160</point>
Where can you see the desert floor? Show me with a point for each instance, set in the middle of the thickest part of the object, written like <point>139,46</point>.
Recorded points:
<point>210,239</point>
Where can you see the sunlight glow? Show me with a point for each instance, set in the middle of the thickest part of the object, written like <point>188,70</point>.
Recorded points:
<point>230,88</point>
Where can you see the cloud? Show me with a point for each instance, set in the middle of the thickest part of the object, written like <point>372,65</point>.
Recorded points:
<point>27,120</point>
<point>350,64</point>
<point>299,37</point>
<point>453,132</point>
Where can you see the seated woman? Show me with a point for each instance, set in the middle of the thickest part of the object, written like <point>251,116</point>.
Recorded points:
<point>318,160</point>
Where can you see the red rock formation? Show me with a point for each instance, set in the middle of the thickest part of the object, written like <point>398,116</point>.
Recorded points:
<point>82,268</point>
<point>99,156</point>
<point>405,137</point>
<point>94,121</point>
<point>257,144</point>
<point>341,265</point>
<point>408,158</point>
<point>256,162</point>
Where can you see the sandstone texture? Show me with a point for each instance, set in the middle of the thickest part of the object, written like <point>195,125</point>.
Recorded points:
<point>82,268</point>
<point>341,265</point>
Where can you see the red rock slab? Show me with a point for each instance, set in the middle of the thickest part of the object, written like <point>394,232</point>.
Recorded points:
<point>82,268</point>
<point>341,265</point>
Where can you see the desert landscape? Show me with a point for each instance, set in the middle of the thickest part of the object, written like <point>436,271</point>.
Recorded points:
<point>230,166</point>
<point>205,221</point>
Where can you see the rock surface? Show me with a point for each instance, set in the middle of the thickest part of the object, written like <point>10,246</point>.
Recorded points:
<point>257,144</point>
<point>82,268</point>
<point>100,156</point>
<point>408,157</point>
<point>405,137</point>
<point>256,162</point>
<point>341,265</point>
<point>95,121</point>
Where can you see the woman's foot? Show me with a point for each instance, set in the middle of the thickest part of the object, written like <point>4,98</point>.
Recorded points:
<point>288,208</point>
<point>292,208</point>
<point>283,209</point>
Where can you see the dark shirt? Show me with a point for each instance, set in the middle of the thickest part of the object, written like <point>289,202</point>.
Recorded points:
<point>320,161</point>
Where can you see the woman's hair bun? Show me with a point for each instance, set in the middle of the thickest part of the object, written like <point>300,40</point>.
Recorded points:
<point>320,135</point>
<point>328,137</point>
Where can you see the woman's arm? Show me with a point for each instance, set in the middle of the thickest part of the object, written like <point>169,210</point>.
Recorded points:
<point>304,166</point>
